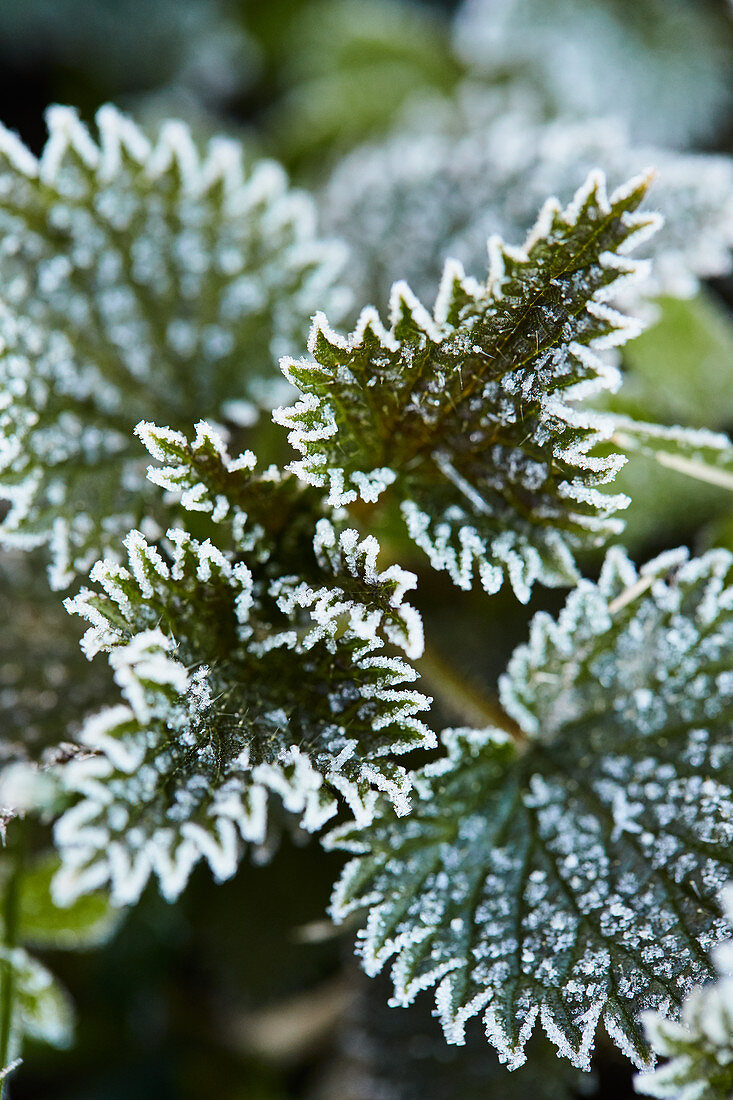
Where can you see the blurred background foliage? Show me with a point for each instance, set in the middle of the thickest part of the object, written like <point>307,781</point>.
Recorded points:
<point>243,991</point>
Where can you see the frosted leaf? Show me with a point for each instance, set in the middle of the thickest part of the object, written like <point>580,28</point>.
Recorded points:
<point>570,877</point>
<point>467,416</point>
<point>246,504</point>
<point>41,1010</point>
<point>139,279</point>
<point>635,57</point>
<point>484,166</point>
<point>241,681</point>
<point>706,456</point>
<point>699,1047</point>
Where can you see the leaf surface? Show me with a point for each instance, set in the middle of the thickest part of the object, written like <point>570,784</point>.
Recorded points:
<point>574,877</point>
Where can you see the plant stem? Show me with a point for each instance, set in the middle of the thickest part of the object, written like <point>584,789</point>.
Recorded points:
<point>10,914</point>
<point>462,698</point>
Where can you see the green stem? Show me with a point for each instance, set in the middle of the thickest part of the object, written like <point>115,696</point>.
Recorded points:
<point>11,916</point>
<point>461,698</point>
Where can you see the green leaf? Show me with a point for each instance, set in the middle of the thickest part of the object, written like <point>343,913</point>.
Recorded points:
<point>141,279</point>
<point>89,922</point>
<point>256,671</point>
<point>572,876</point>
<point>41,1009</point>
<point>468,415</point>
<point>699,1047</point>
<point>705,456</point>
<point>272,515</point>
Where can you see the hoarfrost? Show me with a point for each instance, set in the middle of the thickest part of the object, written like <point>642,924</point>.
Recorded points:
<point>468,415</point>
<point>698,1048</point>
<point>573,879</point>
<point>121,302</point>
<point>241,680</point>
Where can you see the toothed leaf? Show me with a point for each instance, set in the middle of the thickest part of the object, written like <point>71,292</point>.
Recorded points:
<point>699,1047</point>
<point>572,878</point>
<point>272,514</point>
<point>242,678</point>
<point>468,414</point>
<point>140,279</point>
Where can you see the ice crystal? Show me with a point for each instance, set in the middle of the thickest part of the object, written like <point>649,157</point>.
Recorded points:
<point>700,1046</point>
<point>572,877</point>
<point>139,277</point>
<point>468,413</point>
<point>248,672</point>
<point>583,57</point>
<point>484,166</point>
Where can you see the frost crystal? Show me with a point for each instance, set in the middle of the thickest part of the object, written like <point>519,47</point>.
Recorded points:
<point>572,877</point>
<point>407,203</point>
<point>138,278</point>
<point>466,415</point>
<point>253,671</point>
<point>700,1046</point>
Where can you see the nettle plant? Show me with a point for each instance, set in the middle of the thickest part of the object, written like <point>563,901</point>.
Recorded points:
<point>557,864</point>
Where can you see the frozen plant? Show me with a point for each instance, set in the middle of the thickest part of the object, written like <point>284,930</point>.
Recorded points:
<point>699,1047</point>
<point>127,264</point>
<point>255,644</point>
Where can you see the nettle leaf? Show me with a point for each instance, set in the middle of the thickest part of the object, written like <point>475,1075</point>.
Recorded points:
<point>242,678</point>
<point>470,413</point>
<point>41,1009</point>
<point>274,514</point>
<point>571,876</point>
<point>89,922</point>
<point>140,279</point>
<point>700,1046</point>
